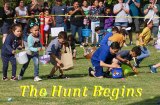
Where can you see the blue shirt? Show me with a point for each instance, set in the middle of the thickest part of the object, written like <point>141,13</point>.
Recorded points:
<point>102,54</point>
<point>105,39</point>
<point>59,10</point>
<point>133,8</point>
<point>10,44</point>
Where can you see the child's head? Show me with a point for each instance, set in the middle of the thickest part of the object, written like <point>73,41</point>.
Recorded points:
<point>123,32</point>
<point>97,29</point>
<point>108,10</point>
<point>34,29</point>
<point>115,30</point>
<point>148,23</point>
<point>70,38</point>
<point>115,61</point>
<point>16,29</point>
<point>62,37</point>
<point>46,12</point>
<point>136,51</point>
<point>114,48</point>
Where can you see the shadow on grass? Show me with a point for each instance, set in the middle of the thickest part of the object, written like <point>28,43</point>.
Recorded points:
<point>152,101</point>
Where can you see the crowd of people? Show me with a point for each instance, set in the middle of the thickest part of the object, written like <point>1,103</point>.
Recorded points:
<point>23,32</point>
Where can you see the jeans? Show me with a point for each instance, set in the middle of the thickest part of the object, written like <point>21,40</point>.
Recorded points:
<point>155,31</point>
<point>5,62</point>
<point>35,59</point>
<point>137,26</point>
<point>93,26</point>
<point>144,54</point>
<point>62,25</point>
<point>78,29</point>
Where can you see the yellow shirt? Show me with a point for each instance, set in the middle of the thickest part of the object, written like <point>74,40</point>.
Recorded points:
<point>145,36</point>
<point>117,38</point>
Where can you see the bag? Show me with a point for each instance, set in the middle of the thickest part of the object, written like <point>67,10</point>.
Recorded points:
<point>66,58</point>
<point>129,18</point>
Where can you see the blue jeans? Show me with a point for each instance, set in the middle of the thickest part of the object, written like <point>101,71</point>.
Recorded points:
<point>35,59</point>
<point>5,62</point>
<point>144,54</point>
<point>78,29</point>
<point>62,25</point>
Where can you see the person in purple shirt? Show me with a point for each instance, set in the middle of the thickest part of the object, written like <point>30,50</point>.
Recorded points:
<point>108,21</point>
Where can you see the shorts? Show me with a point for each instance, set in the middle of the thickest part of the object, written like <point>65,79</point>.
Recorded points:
<point>122,24</point>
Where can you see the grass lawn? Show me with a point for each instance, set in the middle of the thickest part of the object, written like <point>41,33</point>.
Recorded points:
<point>145,86</point>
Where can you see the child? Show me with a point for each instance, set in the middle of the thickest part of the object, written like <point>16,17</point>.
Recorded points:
<point>54,50</point>
<point>48,21</point>
<point>126,56</point>
<point>102,57</point>
<point>34,46</point>
<point>33,20</point>
<point>117,37</point>
<point>72,44</point>
<point>144,39</point>
<point>9,50</point>
<point>108,21</point>
<point>104,41</point>
<point>97,32</point>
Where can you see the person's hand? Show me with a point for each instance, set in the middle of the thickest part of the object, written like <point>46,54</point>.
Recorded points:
<point>135,70</point>
<point>149,6</point>
<point>133,0</point>
<point>40,49</point>
<point>14,52</point>
<point>114,66</point>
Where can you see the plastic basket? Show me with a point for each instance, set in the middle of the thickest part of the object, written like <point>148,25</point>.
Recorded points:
<point>117,73</point>
<point>86,32</point>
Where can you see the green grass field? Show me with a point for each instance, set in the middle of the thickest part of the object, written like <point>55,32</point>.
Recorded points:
<point>145,87</point>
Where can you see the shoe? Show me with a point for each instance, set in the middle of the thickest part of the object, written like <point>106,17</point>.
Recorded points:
<point>62,77</point>
<point>5,78</point>
<point>81,45</point>
<point>19,77</point>
<point>36,79</point>
<point>153,69</point>
<point>13,78</point>
<point>89,71</point>
<point>51,77</point>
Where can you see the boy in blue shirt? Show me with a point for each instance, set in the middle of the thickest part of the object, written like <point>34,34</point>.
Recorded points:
<point>103,58</point>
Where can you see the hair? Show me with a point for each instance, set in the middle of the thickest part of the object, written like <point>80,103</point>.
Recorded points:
<point>123,32</point>
<point>19,2</point>
<point>14,27</point>
<point>70,38</point>
<point>137,50</point>
<point>115,45</point>
<point>97,28</point>
<point>114,28</point>
<point>146,22</point>
<point>62,35</point>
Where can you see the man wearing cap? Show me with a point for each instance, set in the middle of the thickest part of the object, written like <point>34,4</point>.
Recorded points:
<point>59,9</point>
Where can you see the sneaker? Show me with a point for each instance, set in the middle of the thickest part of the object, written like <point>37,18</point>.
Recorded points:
<point>89,71</point>
<point>13,78</point>
<point>51,77</point>
<point>37,78</point>
<point>63,77</point>
<point>19,77</point>
<point>153,69</point>
<point>5,78</point>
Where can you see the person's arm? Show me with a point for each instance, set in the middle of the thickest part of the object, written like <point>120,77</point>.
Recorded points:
<point>155,9</point>
<point>116,11</point>
<point>8,44</point>
<point>102,64</point>
<point>121,59</point>
<point>146,9</point>
<point>137,4</point>
<point>126,8</point>
<point>72,12</point>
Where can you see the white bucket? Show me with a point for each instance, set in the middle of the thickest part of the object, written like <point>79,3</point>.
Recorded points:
<point>21,57</point>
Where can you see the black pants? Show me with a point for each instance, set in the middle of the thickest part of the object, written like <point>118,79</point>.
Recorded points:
<point>5,61</point>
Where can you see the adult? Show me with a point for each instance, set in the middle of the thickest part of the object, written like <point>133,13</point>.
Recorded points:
<point>76,20</point>
<point>35,7</point>
<point>152,10</point>
<point>7,18</point>
<point>59,9</point>
<point>102,57</point>
<point>95,21</point>
<point>134,6</point>
<point>21,10</point>
<point>121,10</point>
